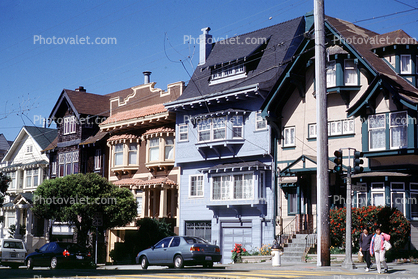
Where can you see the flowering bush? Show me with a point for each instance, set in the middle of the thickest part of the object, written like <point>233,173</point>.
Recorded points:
<point>237,253</point>
<point>265,250</point>
<point>391,220</point>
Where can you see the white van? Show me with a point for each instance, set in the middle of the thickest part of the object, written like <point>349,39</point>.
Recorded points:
<point>12,252</point>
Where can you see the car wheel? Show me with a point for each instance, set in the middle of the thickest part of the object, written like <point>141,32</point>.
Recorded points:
<point>54,263</point>
<point>144,262</point>
<point>29,264</point>
<point>208,264</point>
<point>178,261</point>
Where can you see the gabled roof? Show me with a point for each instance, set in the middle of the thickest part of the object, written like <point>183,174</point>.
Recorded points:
<point>4,144</point>
<point>280,42</point>
<point>398,37</point>
<point>42,136</point>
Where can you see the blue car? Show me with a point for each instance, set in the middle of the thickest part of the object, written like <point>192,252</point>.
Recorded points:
<point>180,251</point>
<point>59,254</point>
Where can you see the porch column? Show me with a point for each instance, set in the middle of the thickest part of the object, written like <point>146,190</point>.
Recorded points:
<point>173,202</point>
<point>163,202</point>
<point>17,224</point>
<point>29,221</point>
<point>146,202</point>
<point>154,203</point>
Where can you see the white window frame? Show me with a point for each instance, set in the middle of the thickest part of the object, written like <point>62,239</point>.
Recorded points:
<point>375,191</point>
<point>98,159</point>
<point>13,181</point>
<point>312,130</point>
<point>412,200</point>
<point>260,122</point>
<point>119,152</point>
<point>54,168</point>
<point>132,151</point>
<point>397,191</point>
<point>69,125</point>
<point>349,127</point>
<point>236,126</point>
<point>396,125</point>
<point>331,74</point>
<point>336,127</point>
<point>350,69</point>
<point>28,178</point>
<point>289,142</point>
<point>227,193</point>
<point>171,145</point>
<point>140,203</point>
<point>408,69</point>
<point>157,139</point>
<point>228,71</point>
<point>218,121</point>
<point>183,132</point>
<point>204,126</point>
<point>197,193</point>
<point>378,128</point>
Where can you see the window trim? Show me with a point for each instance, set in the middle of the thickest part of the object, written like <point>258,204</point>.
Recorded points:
<point>378,191</point>
<point>361,193</point>
<point>408,71</point>
<point>98,159</point>
<point>118,153</point>
<point>190,186</point>
<point>183,133</point>
<point>231,187</point>
<point>370,129</point>
<point>331,69</point>
<point>257,116</point>
<point>289,128</point>
<point>393,126</point>
<point>69,125</point>
<point>232,121</point>
<point>354,70</point>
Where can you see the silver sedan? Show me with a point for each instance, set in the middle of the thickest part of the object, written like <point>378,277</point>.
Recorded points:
<point>178,251</point>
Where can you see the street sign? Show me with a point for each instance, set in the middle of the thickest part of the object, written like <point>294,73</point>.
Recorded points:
<point>98,219</point>
<point>359,188</point>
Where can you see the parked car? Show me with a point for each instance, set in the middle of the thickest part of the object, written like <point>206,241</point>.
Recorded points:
<point>12,252</point>
<point>179,251</point>
<point>59,254</point>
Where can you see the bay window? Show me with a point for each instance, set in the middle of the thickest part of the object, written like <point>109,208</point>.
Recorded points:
<point>169,148</point>
<point>154,149</point>
<point>237,126</point>
<point>132,154</point>
<point>377,132</point>
<point>398,130</point>
<point>378,194</point>
<point>118,154</point>
<point>350,72</point>
<point>398,196</point>
<point>261,123</point>
<point>233,187</point>
<point>219,128</point>
<point>28,178</point>
<point>68,163</point>
<point>204,130</point>
<point>331,74</point>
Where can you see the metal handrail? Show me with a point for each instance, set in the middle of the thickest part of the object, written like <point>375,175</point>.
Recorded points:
<point>310,241</point>
<point>287,232</point>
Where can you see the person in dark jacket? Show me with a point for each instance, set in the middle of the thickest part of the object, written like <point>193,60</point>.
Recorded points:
<point>365,239</point>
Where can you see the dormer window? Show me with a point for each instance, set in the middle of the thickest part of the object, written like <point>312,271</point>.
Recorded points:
<point>227,73</point>
<point>160,149</point>
<point>406,67</point>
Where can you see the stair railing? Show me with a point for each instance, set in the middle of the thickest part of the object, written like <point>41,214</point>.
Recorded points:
<point>288,232</point>
<point>310,241</point>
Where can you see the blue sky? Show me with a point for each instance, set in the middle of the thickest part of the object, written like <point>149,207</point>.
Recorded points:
<point>149,36</point>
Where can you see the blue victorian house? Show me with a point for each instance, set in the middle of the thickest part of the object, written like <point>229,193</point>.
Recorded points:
<point>223,145</point>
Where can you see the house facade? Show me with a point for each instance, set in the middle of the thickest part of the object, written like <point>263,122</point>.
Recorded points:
<point>223,145</point>
<point>372,100</point>
<point>141,156</point>
<point>27,168</point>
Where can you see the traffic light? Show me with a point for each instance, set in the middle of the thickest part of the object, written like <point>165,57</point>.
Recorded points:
<point>357,162</point>
<point>338,161</point>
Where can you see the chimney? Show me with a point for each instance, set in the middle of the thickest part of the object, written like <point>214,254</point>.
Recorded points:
<point>80,89</point>
<point>205,42</point>
<point>147,77</point>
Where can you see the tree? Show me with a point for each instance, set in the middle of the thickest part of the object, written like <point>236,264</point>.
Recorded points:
<point>77,198</point>
<point>4,184</point>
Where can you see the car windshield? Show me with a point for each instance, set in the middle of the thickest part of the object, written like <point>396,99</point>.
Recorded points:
<point>193,240</point>
<point>13,244</point>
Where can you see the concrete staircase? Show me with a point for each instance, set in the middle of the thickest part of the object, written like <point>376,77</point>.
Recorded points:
<point>294,250</point>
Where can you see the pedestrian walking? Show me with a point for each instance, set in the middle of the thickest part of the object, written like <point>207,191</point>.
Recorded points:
<point>377,248</point>
<point>364,243</point>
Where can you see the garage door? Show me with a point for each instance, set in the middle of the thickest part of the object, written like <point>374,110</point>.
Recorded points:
<point>232,235</point>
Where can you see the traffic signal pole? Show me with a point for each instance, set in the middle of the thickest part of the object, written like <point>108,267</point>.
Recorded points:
<point>348,262</point>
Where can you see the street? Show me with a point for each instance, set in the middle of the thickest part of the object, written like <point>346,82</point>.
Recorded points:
<point>247,271</point>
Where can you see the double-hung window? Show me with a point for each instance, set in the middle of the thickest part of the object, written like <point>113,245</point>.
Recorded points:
<point>398,130</point>
<point>377,131</point>
<point>169,148</point>
<point>35,177</point>
<point>204,130</point>
<point>362,197</point>
<point>119,154</point>
<point>261,123</point>
<point>132,154</point>
<point>289,137</point>
<point>233,187</point>
<point>237,126</point>
<point>413,200</point>
<point>183,132</point>
<point>331,73</point>
<point>98,159</point>
<point>12,183</point>
<point>29,178</point>
<point>398,196</point>
<point>69,125</point>
<point>196,186</point>
<point>350,72</point>
<point>154,149</point>
<point>406,65</point>
<point>378,194</point>
<point>219,128</point>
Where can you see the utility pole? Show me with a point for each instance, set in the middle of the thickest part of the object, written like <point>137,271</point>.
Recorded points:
<point>348,262</point>
<point>323,241</point>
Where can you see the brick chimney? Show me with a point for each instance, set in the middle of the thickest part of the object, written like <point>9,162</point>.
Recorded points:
<point>80,89</point>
